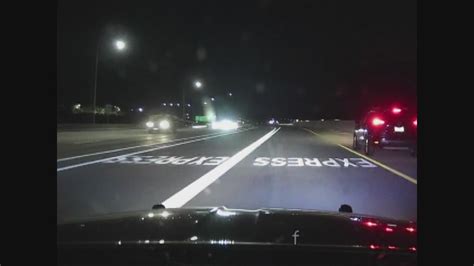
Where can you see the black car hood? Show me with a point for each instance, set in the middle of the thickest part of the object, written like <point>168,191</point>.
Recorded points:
<point>222,226</point>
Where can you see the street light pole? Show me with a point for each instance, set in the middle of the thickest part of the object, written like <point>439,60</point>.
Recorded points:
<point>183,105</point>
<point>120,45</point>
<point>95,82</point>
<point>196,84</point>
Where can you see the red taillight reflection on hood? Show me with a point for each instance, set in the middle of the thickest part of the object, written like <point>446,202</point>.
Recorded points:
<point>370,224</point>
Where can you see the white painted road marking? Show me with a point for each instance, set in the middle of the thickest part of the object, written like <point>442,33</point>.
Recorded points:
<point>313,162</point>
<point>259,161</point>
<point>171,160</point>
<point>143,151</point>
<point>132,147</point>
<point>190,191</point>
<point>87,141</point>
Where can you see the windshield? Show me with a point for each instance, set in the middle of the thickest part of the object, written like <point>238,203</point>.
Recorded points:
<point>242,104</point>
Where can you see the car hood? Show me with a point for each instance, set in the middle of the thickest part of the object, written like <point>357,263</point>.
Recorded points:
<point>223,226</point>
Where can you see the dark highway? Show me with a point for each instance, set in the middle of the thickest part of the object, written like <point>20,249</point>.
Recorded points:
<point>287,166</point>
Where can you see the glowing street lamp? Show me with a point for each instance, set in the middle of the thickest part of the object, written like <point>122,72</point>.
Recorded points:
<point>119,45</point>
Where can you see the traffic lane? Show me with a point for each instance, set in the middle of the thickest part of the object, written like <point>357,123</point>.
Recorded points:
<point>138,182</point>
<point>80,143</point>
<point>93,158</point>
<point>400,160</point>
<point>370,190</point>
<point>88,158</point>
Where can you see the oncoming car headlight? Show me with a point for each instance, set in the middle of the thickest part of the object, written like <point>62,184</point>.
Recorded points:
<point>164,124</point>
<point>150,124</point>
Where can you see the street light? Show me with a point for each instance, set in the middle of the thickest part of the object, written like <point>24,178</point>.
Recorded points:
<point>119,45</point>
<point>197,84</point>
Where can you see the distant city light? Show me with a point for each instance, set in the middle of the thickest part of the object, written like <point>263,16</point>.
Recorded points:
<point>171,104</point>
<point>189,105</point>
<point>213,99</point>
<point>177,104</point>
<point>205,103</point>
<point>198,84</point>
<point>140,109</point>
<point>230,93</point>
<point>164,104</point>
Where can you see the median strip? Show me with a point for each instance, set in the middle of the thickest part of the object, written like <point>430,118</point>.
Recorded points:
<point>145,151</point>
<point>388,168</point>
<point>190,191</point>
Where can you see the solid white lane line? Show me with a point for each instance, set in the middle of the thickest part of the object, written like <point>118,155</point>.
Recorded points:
<point>86,142</point>
<point>133,147</point>
<point>145,151</point>
<point>190,191</point>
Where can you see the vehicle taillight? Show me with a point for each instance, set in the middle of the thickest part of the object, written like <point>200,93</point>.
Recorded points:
<point>396,110</point>
<point>374,247</point>
<point>388,229</point>
<point>410,229</point>
<point>415,122</point>
<point>376,121</point>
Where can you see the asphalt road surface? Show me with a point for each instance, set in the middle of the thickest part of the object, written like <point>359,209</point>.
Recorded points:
<point>259,167</point>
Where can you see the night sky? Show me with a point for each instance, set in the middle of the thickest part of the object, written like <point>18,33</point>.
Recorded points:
<point>301,59</point>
